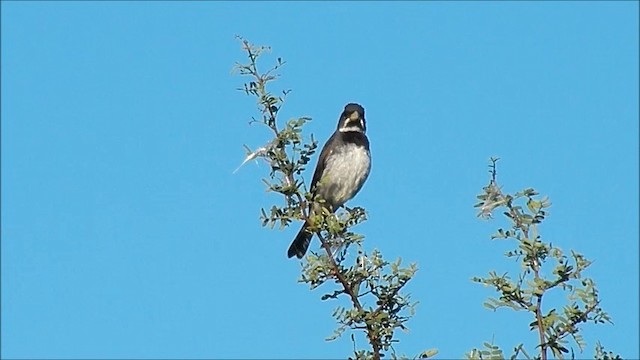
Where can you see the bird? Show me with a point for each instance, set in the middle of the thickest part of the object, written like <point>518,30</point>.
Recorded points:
<point>343,167</point>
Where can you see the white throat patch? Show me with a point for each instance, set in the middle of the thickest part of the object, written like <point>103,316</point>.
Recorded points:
<point>351,128</point>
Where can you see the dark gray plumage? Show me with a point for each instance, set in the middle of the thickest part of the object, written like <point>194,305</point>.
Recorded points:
<point>343,167</point>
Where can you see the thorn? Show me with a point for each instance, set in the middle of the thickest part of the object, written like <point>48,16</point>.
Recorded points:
<point>252,155</point>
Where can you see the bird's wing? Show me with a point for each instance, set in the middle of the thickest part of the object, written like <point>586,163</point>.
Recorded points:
<point>322,162</point>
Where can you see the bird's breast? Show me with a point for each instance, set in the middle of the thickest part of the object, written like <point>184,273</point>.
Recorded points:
<point>346,170</point>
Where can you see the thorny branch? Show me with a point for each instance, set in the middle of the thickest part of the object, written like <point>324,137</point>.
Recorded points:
<point>288,154</point>
<point>527,293</point>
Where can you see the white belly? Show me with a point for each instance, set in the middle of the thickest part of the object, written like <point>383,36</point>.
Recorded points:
<point>345,173</point>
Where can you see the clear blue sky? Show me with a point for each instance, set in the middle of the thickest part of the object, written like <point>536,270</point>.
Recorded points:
<point>126,235</point>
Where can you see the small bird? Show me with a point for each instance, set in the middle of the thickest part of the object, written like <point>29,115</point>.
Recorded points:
<point>343,166</point>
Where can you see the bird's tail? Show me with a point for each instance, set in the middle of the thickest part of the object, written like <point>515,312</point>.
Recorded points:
<point>300,244</point>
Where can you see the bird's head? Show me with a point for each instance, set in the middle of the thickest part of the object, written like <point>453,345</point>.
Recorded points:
<point>352,119</point>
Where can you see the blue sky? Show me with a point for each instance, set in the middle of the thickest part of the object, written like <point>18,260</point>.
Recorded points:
<point>126,235</point>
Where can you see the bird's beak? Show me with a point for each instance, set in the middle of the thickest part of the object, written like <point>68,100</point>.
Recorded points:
<point>355,117</point>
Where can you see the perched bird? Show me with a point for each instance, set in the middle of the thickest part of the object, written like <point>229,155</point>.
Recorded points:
<point>343,167</point>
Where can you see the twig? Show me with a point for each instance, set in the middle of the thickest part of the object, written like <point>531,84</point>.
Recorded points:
<point>354,298</point>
